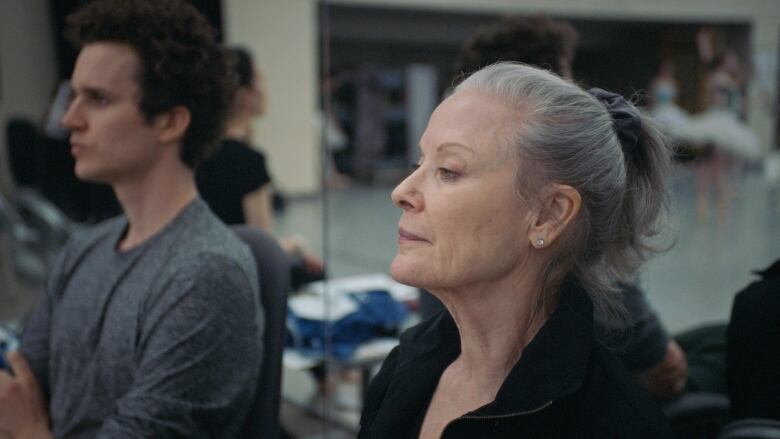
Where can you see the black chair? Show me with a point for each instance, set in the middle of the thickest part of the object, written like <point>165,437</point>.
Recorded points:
<point>273,269</point>
<point>28,264</point>
<point>22,142</point>
<point>697,415</point>
<point>754,428</point>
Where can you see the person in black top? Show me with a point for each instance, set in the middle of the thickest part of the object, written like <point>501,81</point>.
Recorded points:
<point>532,199</point>
<point>235,181</point>
<point>752,363</point>
<point>232,179</point>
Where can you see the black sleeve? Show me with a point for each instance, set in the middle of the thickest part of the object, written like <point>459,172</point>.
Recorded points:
<point>251,172</point>
<point>752,361</point>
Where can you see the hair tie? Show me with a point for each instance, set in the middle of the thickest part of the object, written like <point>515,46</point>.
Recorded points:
<point>625,118</point>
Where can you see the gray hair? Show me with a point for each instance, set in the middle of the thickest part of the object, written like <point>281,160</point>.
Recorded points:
<point>566,136</point>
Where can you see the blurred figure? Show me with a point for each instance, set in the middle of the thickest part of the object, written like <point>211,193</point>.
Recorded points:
<point>334,139</point>
<point>721,127</point>
<point>149,325</point>
<point>725,86</point>
<point>663,95</point>
<point>235,182</point>
<point>537,41</point>
<point>370,131</point>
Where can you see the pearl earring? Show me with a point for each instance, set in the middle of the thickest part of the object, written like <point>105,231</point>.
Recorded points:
<point>540,242</point>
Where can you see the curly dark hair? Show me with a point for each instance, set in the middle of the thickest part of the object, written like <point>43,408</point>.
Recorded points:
<point>243,66</point>
<point>535,40</point>
<point>181,62</point>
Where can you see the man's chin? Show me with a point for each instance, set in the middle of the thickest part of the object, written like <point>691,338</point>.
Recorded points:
<point>90,175</point>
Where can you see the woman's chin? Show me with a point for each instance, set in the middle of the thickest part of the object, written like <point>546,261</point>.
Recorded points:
<point>403,271</point>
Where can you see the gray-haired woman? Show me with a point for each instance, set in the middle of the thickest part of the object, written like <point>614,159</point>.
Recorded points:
<point>532,199</point>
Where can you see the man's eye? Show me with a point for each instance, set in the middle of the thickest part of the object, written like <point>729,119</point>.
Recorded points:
<point>98,99</point>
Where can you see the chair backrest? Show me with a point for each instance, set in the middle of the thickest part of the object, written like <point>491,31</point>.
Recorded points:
<point>697,414</point>
<point>273,269</point>
<point>754,428</point>
<point>22,146</point>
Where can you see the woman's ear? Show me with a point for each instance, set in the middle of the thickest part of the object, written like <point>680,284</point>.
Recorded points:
<point>172,124</point>
<point>559,205</point>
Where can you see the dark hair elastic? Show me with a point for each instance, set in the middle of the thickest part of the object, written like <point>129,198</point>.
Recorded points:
<point>625,118</point>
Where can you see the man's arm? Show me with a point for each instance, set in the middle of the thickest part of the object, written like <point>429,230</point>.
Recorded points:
<point>258,212</point>
<point>198,357</point>
<point>644,347</point>
<point>34,343</point>
<point>24,392</point>
<point>22,408</point>
<point>667,378</point>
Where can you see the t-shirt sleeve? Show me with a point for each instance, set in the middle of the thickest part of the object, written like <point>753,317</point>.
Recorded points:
<point>251,170</point>
<point>37,329</point>
<point>199,356</point>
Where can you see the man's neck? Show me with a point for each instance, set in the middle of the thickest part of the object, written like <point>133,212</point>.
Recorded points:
<point>150,202</point>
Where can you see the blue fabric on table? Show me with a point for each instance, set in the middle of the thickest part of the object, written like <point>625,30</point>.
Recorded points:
<point>8,342</point>
<point>377,315</point>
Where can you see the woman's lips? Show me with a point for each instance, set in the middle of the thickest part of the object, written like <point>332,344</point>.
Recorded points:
<point>404,236</point>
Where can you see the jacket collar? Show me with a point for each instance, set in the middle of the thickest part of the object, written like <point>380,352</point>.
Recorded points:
<point>551,367</point>
<point>771,271</point>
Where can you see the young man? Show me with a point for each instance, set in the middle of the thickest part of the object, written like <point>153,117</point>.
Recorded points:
<point>150,324</point>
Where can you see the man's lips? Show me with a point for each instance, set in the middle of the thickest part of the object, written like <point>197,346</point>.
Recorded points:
<point>403,235</point>
<point>76,147</point>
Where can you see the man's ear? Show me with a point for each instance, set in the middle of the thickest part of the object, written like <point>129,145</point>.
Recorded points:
<point>559,205</point>
<point>172,124</point>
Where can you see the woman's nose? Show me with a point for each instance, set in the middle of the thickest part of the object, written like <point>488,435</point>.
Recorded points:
<point>407,195</point>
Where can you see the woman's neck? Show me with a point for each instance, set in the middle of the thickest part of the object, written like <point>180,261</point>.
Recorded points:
<point>238,127</point>
<point>496,322</point>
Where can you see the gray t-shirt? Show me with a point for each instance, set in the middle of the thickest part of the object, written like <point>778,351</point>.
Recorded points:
<point>163,340</point>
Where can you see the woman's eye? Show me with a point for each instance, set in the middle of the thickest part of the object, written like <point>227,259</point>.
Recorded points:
<point>447,174</point>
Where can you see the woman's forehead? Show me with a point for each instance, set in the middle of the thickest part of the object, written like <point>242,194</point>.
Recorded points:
<point>474,119</point>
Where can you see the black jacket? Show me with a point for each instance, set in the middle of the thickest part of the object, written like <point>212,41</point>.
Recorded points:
<point>565,385</point>
<point>752,354</point>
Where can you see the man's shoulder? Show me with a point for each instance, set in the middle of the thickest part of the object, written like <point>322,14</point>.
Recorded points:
<point>86,238</point>
<point>200,258</point>
<point>201,238</point>
<point>762,293</point>
<point>98,231</point>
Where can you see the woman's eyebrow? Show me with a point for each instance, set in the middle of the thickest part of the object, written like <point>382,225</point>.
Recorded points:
<point>454,145</point>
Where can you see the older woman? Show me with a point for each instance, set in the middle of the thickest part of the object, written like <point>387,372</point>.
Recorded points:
<point>532,199</point>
